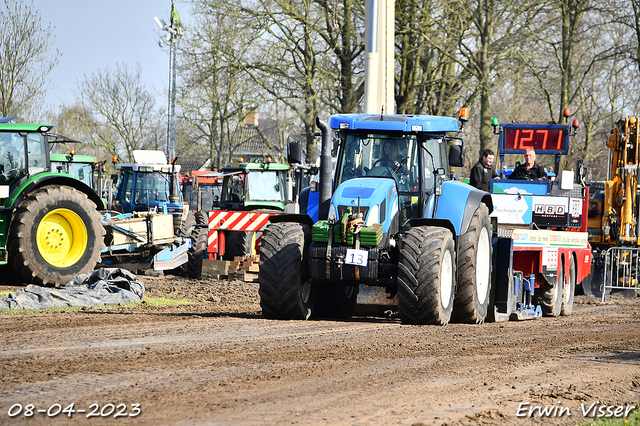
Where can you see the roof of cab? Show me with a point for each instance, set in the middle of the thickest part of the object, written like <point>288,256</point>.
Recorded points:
<point>400,123</point>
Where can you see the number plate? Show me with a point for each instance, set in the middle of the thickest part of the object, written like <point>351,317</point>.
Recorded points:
<point>357,257</point>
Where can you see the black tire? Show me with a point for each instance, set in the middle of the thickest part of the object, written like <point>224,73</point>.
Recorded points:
<point>569,290</point>
<point>285,292</point>
<point>56,234</point>
<point>550,299</point>
<point>474,270</point>
<point>198,250</point>
<point>335,300</point>
<point>426,276</point>
<point>239,243</point>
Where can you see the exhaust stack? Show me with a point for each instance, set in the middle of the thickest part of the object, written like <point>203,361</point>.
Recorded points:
<point>325,170</point>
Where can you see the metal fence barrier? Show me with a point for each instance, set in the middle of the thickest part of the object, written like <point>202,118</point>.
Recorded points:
<point>621,269</point>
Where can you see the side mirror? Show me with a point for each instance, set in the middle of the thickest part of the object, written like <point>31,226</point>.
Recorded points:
<point>294,153</point>
<point>114,178</point>
<point>456,155</point>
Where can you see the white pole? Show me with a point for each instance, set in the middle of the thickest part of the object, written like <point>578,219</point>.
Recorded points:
<point>371,58</point>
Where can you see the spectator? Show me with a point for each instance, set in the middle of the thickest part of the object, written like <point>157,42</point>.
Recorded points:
<point>482,172</point>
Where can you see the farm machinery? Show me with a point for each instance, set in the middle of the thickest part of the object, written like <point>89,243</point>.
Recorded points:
<point>545,220</point>
<point>53,226</point>
<point>50,226</point>
<point>149,226</point>
<point>614,212</point>
<point>250,193</point>
<point>405,235</point>
<point>201,190</point>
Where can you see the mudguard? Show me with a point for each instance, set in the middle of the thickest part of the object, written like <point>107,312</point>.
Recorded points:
<point>309,203</point>
<point>458,203</point>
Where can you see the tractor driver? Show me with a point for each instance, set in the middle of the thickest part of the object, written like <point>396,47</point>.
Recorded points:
<point>390,155</point>
<point>530,170</point>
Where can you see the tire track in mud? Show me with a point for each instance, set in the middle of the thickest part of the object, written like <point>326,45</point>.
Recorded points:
<point>246,371</point>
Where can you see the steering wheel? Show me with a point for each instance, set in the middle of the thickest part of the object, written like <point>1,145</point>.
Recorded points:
<point>383,171</point>
<point>351,172</point>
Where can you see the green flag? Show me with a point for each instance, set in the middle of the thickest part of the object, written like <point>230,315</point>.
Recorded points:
<point>175,19</point>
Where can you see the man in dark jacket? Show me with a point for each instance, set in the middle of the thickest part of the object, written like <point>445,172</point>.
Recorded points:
<point>483,171</point>
<point>530,170</point>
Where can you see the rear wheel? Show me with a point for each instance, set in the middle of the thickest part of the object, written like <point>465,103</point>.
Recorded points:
<point>426,276</point>
<point>474,270</point>
<point>198,249</point>
<point>55,235</point>
<point>569,290</point>
<point>285,291</point>
<point>239,243</point>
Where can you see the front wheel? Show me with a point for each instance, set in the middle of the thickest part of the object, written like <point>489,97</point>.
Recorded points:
<point>426,276</point>
<point>285,291</point>
<point>55,235</point>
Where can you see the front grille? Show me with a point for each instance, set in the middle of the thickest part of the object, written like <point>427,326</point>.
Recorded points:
<point>338,270</point>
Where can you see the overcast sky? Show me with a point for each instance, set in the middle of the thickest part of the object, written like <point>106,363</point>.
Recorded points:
<point>94,34</point>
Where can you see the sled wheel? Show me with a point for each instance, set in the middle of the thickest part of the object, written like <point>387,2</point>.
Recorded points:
<point>569,290</point>
<point>551,297</point>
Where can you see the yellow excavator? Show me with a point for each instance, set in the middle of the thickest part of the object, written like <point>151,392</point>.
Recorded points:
<point>613,215</point>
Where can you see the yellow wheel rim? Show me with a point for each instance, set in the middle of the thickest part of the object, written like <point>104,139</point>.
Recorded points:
<point>254,250</point>
<point>61,238</point>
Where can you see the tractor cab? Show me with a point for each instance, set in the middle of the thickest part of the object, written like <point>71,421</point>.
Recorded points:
<point>23,152</point>
<point>255,185</point>
<point>148,184</point>
<point>413,161</point>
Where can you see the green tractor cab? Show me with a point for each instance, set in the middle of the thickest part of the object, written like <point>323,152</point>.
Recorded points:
<point>253,186</point>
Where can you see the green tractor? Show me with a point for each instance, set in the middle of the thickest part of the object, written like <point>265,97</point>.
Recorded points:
<point>50,227</point>
<point>251,191</point>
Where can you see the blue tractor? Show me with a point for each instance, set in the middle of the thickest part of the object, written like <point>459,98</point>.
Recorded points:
<point>150,184</point>
<point>393,228</point>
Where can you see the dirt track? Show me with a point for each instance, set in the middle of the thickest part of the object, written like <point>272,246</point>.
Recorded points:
<point>220,362</point>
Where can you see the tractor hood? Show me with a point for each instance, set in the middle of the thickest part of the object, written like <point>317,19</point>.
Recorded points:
<point>377,199</point>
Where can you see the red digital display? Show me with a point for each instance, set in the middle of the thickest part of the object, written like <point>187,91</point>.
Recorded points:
<point>540,139</point>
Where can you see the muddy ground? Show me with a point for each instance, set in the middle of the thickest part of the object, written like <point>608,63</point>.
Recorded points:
<point>218,362</point>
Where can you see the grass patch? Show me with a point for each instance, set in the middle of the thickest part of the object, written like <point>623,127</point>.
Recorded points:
<point>151,301</point>
<point>632,420</point>
<point>163,301</point>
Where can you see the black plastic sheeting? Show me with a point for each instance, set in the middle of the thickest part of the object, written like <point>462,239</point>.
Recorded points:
<point>100,287</point>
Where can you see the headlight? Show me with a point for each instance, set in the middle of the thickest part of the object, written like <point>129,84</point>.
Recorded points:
<point>332,212</point>
<point>374,216</point>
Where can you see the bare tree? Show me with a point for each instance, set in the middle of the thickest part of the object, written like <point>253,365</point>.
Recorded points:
<point>122,110</point>
<point>25,57</point>
<point>217,95</point>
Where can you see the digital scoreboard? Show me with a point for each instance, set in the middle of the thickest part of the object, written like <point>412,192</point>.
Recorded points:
<point>543,138</point>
